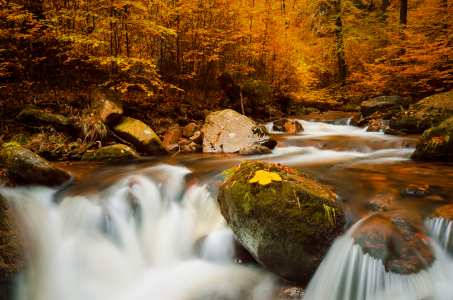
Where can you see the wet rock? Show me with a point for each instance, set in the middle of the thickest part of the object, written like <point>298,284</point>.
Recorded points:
<point>283,224</point>
<point>172,136</point>
<point>280,122</point>
<point>25,167</point>
<point>397,240</point>
<point>382,202</point>
<point>107,103</point>
<point>436,143</point>
<point>291,293</point>
<point>277,128</point>
<point>111,153</point>
<point>355,120</point>
<point>140,135</point>
<point>424,114</point>
<point>384,114</point>
<point>255,150</point>
<point>189,130</point>
<point>378,125</point>
<point>172,147</point>
<point>197,138</point>
<point>418,191</point>
<point>378,103</point>
<point>12,259</point>
<point>228,131</point>
<point>445,211</point>
<point>190,147</point>
<point>293,127</point>
<point>391,131</point>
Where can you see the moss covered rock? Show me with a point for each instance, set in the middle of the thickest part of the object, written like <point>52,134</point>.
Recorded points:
<point>31,112</point>
<point>397,240</point>
<point>283,224</point>
<point>114,152</point>
<point>391,131</point>
<point>107,103</point>
<point>140,135</point>
<point>228,131</point>
<point>436,143</point>
<point>424,114</point>
<point>12,258</point>
<point>25,167</point>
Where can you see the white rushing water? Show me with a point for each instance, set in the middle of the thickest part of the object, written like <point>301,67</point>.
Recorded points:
<point>136,240</point>
<point>440,229</point>
<point>346,273</point>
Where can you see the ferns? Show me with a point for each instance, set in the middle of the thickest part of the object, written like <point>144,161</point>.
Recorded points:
<point>330,214</point>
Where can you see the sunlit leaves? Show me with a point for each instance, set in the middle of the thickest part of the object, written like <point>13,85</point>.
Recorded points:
<point>265,177</point>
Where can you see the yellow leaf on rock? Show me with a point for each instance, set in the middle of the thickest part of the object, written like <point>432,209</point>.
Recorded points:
<point>264,177</point>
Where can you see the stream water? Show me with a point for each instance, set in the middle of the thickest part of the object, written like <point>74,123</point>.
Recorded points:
<point>151,229</point>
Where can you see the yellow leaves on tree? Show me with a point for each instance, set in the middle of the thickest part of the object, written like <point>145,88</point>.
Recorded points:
<point>265,177</point>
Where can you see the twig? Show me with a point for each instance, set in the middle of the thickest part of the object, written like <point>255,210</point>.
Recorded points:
<point>120,139</point>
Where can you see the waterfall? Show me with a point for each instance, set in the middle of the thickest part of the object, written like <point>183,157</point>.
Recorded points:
<point>134,240</point>
<point>347,273</point>
<point>440,229</point>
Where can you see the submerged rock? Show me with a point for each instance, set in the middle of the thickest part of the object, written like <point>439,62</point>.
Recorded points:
<point>107,103</point>
<point>283,224</point>
<point>228,131</point>
<point>255,150</point>
<point>391,131</point>
<point>436,144</point>
<point>12,259</point>
<point>25,167</point>
<point>397,240</point>
<point>114,152</point>
<point>424,114</point>
<point>378,125</point>
<point>140,135</point>
<point>378,103</point>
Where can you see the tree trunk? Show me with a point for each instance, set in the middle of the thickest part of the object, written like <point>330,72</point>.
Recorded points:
<point>385,5</point>
<point>340,43</point>
<point>403,12</point>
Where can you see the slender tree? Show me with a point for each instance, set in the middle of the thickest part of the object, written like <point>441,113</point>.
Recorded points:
<point>403,12</point>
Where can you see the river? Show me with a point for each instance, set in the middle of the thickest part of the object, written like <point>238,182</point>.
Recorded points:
<point>151,229</point>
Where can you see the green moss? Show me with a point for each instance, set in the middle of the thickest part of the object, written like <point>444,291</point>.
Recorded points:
<point>259,131</point>
<point>111,153</point>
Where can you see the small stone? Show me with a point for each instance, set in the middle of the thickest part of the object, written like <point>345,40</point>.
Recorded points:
<point>189,130</point>
<point>293,127</point>
<point>255,150</point>
<point>197,138</point>
<point>172,136</point>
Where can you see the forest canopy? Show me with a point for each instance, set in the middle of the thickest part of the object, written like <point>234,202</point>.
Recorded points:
<point>171,52</point>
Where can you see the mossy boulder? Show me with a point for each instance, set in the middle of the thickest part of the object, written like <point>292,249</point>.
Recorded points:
<point>379,103</point>
<point>283,224</point>
<point>436,144</point>
<point>25,167</point>
<point>228,131</point>
<point>424,114</point>
<point>12,259</point>
<point>107,103</point>
<point>397,240</point>
<point>111,153</point>
<point>140,135</point>
<point>33,113</point>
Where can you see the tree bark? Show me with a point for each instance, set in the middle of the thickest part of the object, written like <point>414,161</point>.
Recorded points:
<point>340,43</point>
<point>403,12</point>
<point>385,5</point>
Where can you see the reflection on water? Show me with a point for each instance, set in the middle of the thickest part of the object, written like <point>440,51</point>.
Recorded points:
<point>151,229</point>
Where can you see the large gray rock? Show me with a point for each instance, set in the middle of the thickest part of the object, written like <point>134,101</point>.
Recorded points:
<point>378,103</point>
<point>228,131</point>
<point>111,153</point>
<point>283,224</point>
<point>107,103</point>
<point>25,167</point>
<point>140,135</point>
